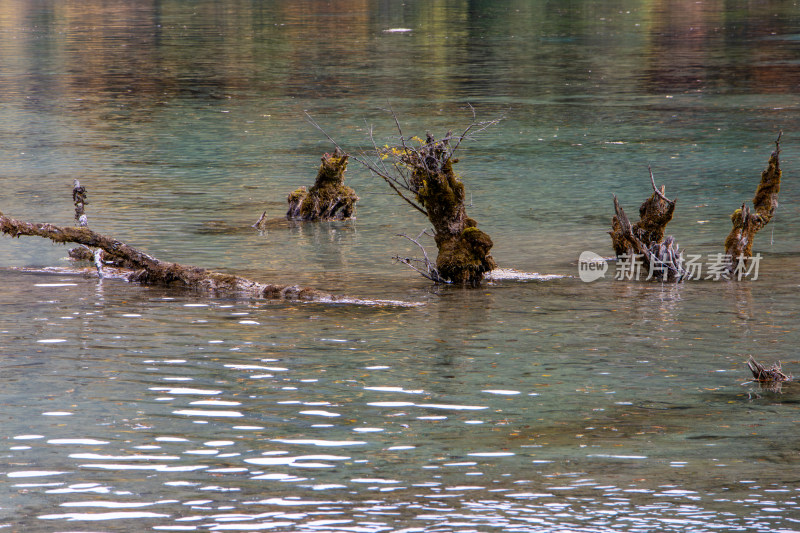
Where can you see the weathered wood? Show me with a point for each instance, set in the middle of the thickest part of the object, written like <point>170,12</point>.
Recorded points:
<point>329,198</point>
<point>150,270</point>
<point>654,215</point>
<point>747,222</point>
<point>421,173</point>
<point>645,239</point>
<point>764,374</point>
<point>463,249</point>
<point>79,199</point>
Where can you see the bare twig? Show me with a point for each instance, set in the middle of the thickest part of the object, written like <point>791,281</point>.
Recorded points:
<point>430,272</point>
<point>764,374</point>
<point>656,190</point>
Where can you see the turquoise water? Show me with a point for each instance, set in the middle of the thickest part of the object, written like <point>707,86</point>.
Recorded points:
<point>539,405</point>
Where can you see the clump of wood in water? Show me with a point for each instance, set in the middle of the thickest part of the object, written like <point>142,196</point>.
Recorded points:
<point>421,173</point>
<point>645,239</point>
<point>660,255</point>
<point>769,378</point>
<point>463,248</point>
<point>146,269</point>
<point>329,198</point>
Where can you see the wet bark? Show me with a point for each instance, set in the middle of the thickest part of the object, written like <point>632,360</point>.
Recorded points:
<point>329,198</point>
<point>747,222</point>
<point>150,270</point>
<point>463,249</point>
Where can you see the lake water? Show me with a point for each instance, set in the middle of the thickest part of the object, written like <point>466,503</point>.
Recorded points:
<point>536,405</point>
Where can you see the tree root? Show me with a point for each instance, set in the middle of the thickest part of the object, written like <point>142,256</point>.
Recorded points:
<point>645,239</point>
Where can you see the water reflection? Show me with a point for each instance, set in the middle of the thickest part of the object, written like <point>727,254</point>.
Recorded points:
<point>528,405</point>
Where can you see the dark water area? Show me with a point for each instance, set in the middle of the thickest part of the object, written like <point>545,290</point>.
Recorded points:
<point>531,404</point>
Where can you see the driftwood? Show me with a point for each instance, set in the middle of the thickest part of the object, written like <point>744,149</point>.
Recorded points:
<point>746,222</point>
<point>149,270</point>
<point>79,199</point>
<point>329,198</point>
<point>762,373</point>
<point>654,215</point>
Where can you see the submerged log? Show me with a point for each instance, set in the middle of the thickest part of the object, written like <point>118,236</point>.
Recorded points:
<point>764,374</point>
<point>746,222</point>
<point>150,270</point>
<point>329,198</point>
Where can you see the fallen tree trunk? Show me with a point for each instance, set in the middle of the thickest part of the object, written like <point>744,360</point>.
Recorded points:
<point>149,270</point>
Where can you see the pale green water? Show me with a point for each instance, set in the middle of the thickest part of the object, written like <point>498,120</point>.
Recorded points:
<point>523,406</point>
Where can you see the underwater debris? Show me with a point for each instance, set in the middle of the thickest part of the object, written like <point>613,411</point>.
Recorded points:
<point>660,255</point>
<point>764,374</point>
<point>771,378</point>
<point>146,269</point>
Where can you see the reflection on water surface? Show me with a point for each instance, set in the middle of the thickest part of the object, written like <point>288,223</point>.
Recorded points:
<point>536,403</point>
<point>229,415</point>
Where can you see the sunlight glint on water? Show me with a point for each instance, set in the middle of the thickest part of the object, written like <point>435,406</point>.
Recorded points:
<point>535,403</point>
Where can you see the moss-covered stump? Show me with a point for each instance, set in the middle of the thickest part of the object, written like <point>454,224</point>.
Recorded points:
<point>747,222</point>
<point>465,259</point>
<point>463,249</point>
<point>646,240</point>
<point>654,215</point>
<point>329,198</point>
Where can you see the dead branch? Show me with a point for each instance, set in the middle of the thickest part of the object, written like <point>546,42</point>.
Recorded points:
<point>768,378</point>
<point>762,373</point>
<point>428,268</point>
<point>656,190</point>
<point>149,270</point>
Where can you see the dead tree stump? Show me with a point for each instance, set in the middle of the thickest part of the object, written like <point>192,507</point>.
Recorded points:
<point>645,239</point>
<point>421,173</point>
<point>746,222</point>
<point>329,198</point>
<point>463,249</point>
